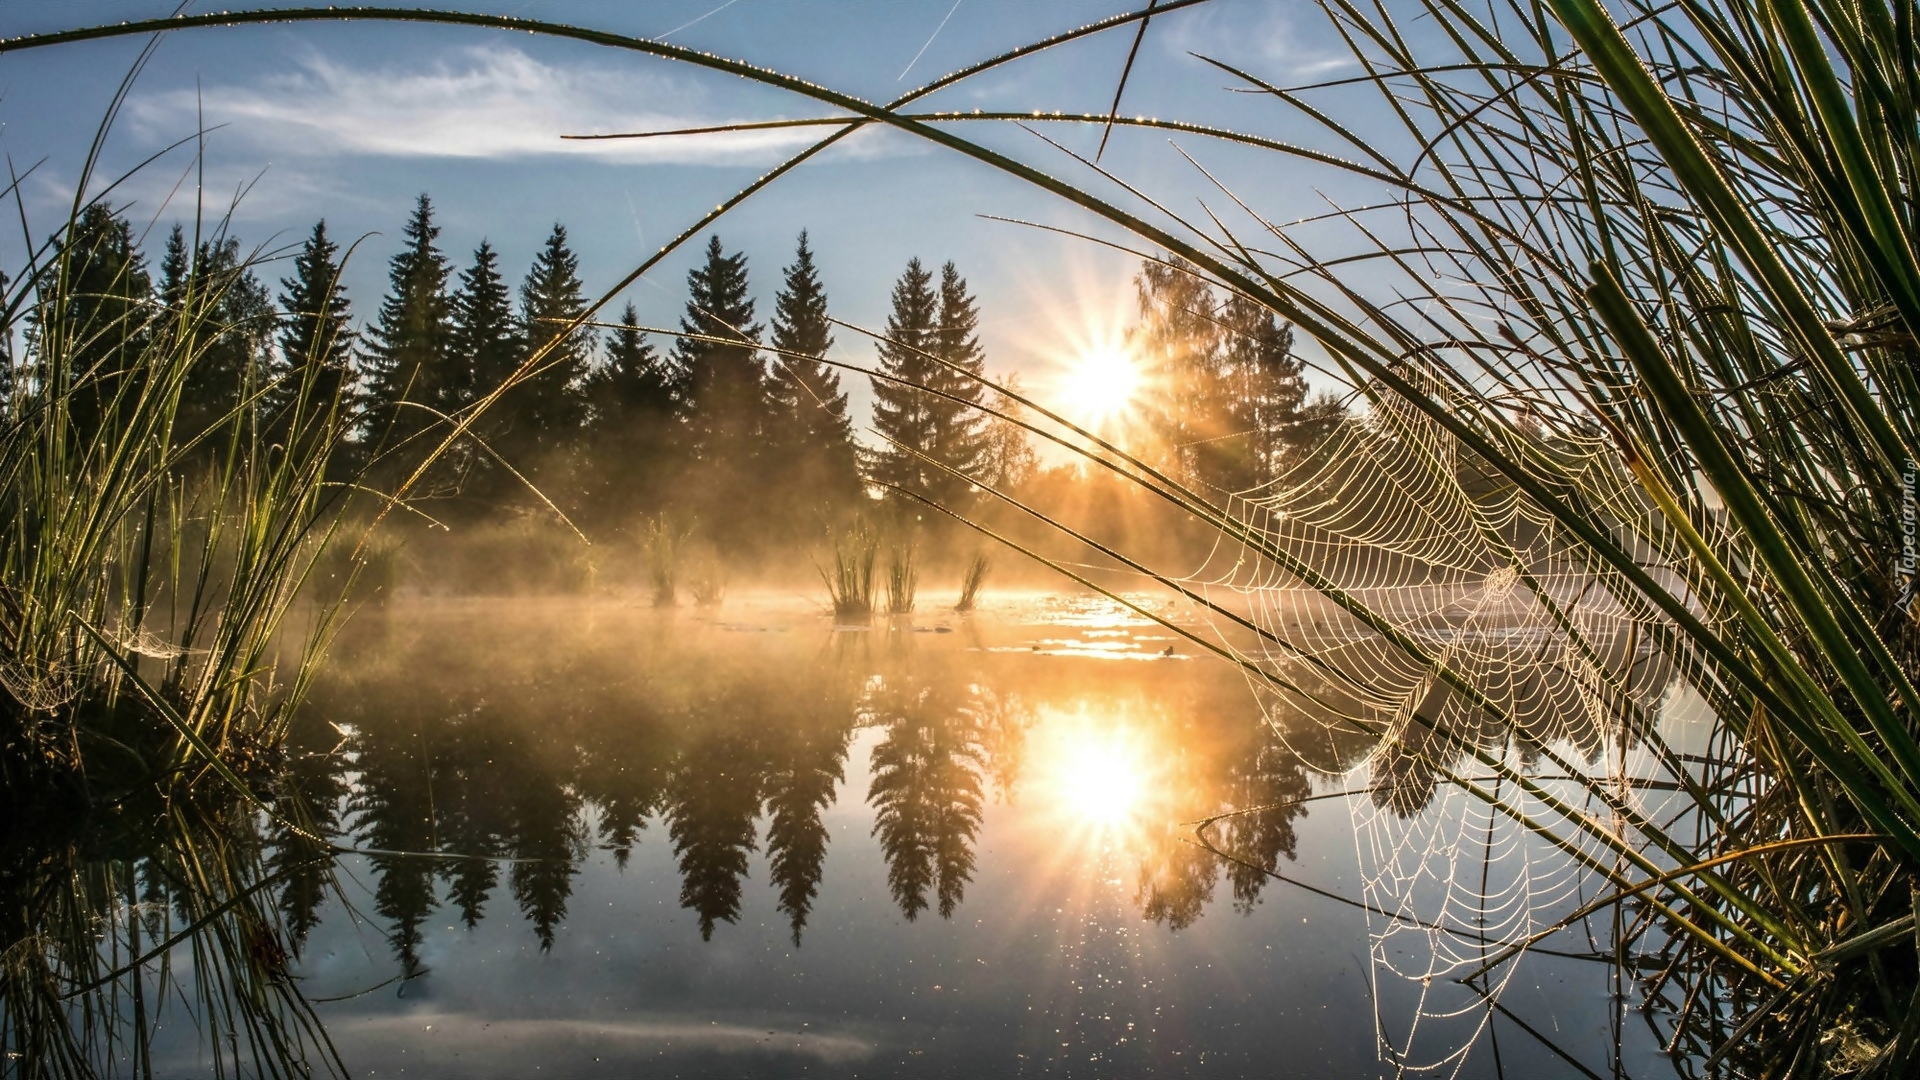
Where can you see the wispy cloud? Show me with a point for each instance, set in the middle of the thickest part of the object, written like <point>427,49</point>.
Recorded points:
<point>1270,37</point>
<point>486,103</point>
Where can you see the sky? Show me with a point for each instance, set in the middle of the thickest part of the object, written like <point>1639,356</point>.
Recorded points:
<point>350,121</point>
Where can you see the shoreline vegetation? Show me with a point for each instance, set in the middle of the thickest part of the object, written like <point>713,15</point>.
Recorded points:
<point>1642,317</point>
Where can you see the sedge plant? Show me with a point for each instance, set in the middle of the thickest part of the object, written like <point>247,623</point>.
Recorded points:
<point>903,577</point>
<point>850,581</point>
<point>972,580</point>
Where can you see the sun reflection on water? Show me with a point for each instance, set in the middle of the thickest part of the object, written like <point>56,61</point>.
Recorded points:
<point>1099,775</point>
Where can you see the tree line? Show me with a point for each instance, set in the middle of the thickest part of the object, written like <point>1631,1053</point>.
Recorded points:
<point>738,428</point>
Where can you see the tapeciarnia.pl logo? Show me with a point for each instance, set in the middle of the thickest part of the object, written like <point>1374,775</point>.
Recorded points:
<point>1909,568</point>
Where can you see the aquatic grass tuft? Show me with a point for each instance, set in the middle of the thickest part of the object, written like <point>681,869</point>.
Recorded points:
<point>850,582</point>
<point>660,546</point>
<point>975,577</point>
<point>155,547</point>
<point>903,577</point>
<point>709,583</point>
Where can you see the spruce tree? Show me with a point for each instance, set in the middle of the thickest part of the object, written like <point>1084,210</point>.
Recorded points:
<point>316,340</point>
<point>630,416</point>
<point>175,266</point>
<point>484,334</point>
<point>632,380</point>
<point>408,358</point>
<point>485,340</point>
<point>93,335</point>
<point>928,326</point>
<point>903,414</point>
<point>813,436</point>
<point>230,313</point>
<point>962,429</point>
<point>549,409</point>
<point>722,393</point>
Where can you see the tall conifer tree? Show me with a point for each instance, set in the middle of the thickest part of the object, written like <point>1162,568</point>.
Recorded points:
<point>96,331</point>
<point>408,357</point>
<point>903,414</point>
<point>630,409</point>
<point>963,428</point>
<point>927,326</point>
<point>813,437</point>
<point>486,342</point>
<point>175,267</point>
<point>722,393</point>
<point>316,340</point>
<point>232,318</point>
<point>549,409</point>
<point>484,333</point>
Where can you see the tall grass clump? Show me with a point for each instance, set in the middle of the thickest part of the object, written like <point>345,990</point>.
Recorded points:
<point>850,580</point>
<point>970,583</point>
<point>903,577</point>
<point>151,556</point>
<point>660,546</point>
<point>709,584</point>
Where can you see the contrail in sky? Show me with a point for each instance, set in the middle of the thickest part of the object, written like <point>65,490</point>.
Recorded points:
<point>709,14</point>
<point>923,48</point>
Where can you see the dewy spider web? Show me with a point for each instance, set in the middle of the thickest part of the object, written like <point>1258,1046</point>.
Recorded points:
<point>1393,514</point>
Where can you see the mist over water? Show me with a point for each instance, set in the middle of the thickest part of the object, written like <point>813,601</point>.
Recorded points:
<point>598,837</point>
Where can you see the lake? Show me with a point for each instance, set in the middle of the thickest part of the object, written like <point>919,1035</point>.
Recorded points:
<point>589,838</point>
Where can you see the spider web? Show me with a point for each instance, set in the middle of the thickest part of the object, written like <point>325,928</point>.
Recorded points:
<point>1419,582</point>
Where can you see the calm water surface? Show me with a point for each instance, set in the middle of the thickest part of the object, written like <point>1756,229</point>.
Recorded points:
<point>596,839</point>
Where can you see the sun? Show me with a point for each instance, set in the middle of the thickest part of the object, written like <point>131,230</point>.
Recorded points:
<point>1099,384</point>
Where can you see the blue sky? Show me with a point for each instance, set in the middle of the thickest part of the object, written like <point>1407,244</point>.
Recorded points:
<point>349,121</point>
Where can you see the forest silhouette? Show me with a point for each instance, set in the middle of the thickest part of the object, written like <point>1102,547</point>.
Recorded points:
<point>732,431</point>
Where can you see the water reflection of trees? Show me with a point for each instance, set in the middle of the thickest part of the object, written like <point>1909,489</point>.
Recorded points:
<point>510,782</point>
<point>711,803</point>
<point>1259,783</point>
<point>927,788</point>
<point>471,775</point>
<point>799,788</point>
<point>463,777</point>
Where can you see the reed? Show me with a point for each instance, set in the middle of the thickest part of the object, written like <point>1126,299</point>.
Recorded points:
<point>709,584</point>
<point>903,577</point>
<point>850,582</point>
<point>151,559</point>
<point>660,546</point>
<point>975,577</point>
